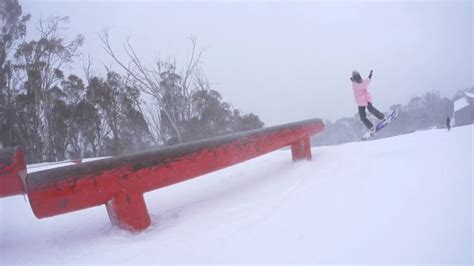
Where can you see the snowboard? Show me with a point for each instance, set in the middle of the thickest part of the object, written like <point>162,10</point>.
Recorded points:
<point>382,124</point>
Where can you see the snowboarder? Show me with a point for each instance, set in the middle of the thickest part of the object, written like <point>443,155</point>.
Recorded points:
<point>363,99</point>
<point>448,123</point>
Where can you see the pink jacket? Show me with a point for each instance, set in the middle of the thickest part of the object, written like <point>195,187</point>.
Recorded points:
<point>361,94</point>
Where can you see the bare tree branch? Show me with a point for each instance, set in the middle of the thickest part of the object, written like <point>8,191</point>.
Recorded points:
<point>86,68</point>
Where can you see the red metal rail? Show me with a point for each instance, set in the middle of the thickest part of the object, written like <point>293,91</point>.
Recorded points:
<point>12,172</point>
<point>120,182</point>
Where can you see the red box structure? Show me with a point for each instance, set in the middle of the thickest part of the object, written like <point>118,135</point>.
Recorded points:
<point>120,182</point>
<point>12,172</point>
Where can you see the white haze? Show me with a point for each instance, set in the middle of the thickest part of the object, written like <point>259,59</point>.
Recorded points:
<point>289,61</point>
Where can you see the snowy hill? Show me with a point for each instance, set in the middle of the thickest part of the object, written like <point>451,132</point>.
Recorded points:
<point>406,199</point>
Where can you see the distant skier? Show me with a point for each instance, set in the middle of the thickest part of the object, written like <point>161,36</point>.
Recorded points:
<point>448,123</point>
<point>363,99</point>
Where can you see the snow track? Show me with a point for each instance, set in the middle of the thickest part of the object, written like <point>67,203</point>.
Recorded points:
<point>406,199</point>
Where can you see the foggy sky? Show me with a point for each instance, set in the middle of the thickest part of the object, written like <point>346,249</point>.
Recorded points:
<point>290,61</point>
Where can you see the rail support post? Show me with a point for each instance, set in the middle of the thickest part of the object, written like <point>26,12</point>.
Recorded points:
<point>128,211</point>
<point>301,149</point>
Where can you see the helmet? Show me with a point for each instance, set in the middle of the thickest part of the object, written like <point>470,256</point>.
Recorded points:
<point>356,77</point>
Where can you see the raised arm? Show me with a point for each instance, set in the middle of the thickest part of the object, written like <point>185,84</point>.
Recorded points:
<point>370,74</point>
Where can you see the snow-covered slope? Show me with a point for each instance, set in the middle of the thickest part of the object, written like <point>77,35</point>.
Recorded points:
<point>406,199</point>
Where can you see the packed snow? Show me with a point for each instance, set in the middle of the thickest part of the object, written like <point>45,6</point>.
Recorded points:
<point>405,199</point>
<point>31,168</point>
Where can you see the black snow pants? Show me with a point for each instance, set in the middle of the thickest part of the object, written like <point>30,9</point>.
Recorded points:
<point>372,110</point>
